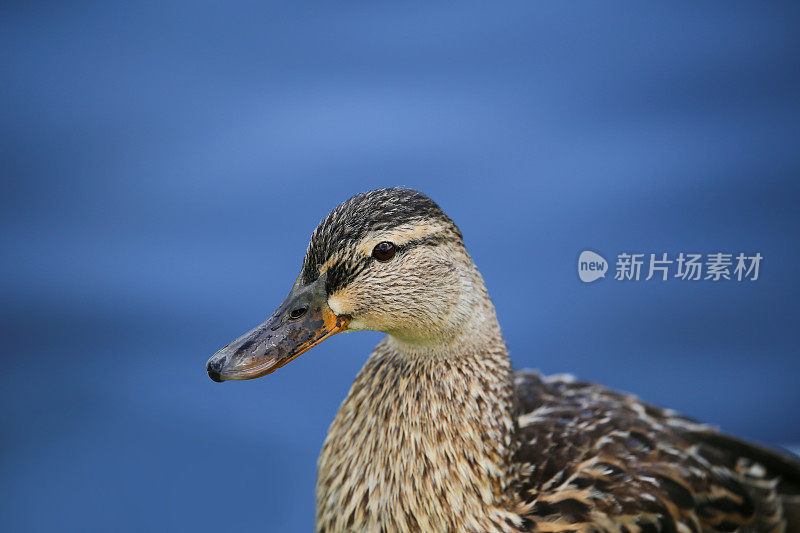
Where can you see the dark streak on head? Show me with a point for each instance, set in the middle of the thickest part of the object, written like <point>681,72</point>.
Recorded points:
<point>377,210</point>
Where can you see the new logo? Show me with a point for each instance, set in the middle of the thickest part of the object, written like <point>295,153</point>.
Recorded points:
<point>591,266</point>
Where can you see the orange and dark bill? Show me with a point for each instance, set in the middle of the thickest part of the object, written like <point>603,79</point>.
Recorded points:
<point>301,322</point>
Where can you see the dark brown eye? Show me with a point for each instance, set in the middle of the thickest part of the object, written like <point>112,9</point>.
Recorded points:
<point>383,251</point>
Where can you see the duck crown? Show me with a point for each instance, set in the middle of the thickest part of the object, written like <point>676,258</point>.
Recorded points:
<point>371,212</point>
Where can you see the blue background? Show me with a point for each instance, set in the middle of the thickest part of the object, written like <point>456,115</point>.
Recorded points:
<point>163,165</point>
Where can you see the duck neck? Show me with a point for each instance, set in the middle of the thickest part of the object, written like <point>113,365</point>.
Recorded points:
<point>425,438</point>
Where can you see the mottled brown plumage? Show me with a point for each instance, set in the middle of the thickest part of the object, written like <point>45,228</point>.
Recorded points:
<point>438,433</point>
<point>602,460</point>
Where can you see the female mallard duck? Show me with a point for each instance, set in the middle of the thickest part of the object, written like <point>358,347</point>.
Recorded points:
<point>439,434</point>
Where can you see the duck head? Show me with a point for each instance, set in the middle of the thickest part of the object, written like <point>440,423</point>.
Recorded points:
<point>387,260</point>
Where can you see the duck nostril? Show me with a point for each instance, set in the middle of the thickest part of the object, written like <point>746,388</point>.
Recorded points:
<point>294,314</point>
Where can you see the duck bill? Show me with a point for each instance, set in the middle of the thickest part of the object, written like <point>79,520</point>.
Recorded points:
<point>301,322</point>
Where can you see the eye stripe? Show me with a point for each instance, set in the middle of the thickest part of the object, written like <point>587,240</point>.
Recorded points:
<point>428,241</point>
<point>344,271</point>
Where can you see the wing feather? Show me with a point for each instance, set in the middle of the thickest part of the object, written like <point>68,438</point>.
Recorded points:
<point>599,460</point>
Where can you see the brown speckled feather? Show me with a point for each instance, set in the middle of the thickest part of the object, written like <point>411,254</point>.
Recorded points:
<point>605,461</point>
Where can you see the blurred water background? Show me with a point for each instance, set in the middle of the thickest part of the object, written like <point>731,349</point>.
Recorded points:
<point>163,165</point>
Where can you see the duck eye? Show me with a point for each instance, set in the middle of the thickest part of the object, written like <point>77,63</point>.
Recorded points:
<point>383,251</point>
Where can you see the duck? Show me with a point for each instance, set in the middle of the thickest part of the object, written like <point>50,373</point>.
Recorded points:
<point>438,433</point>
